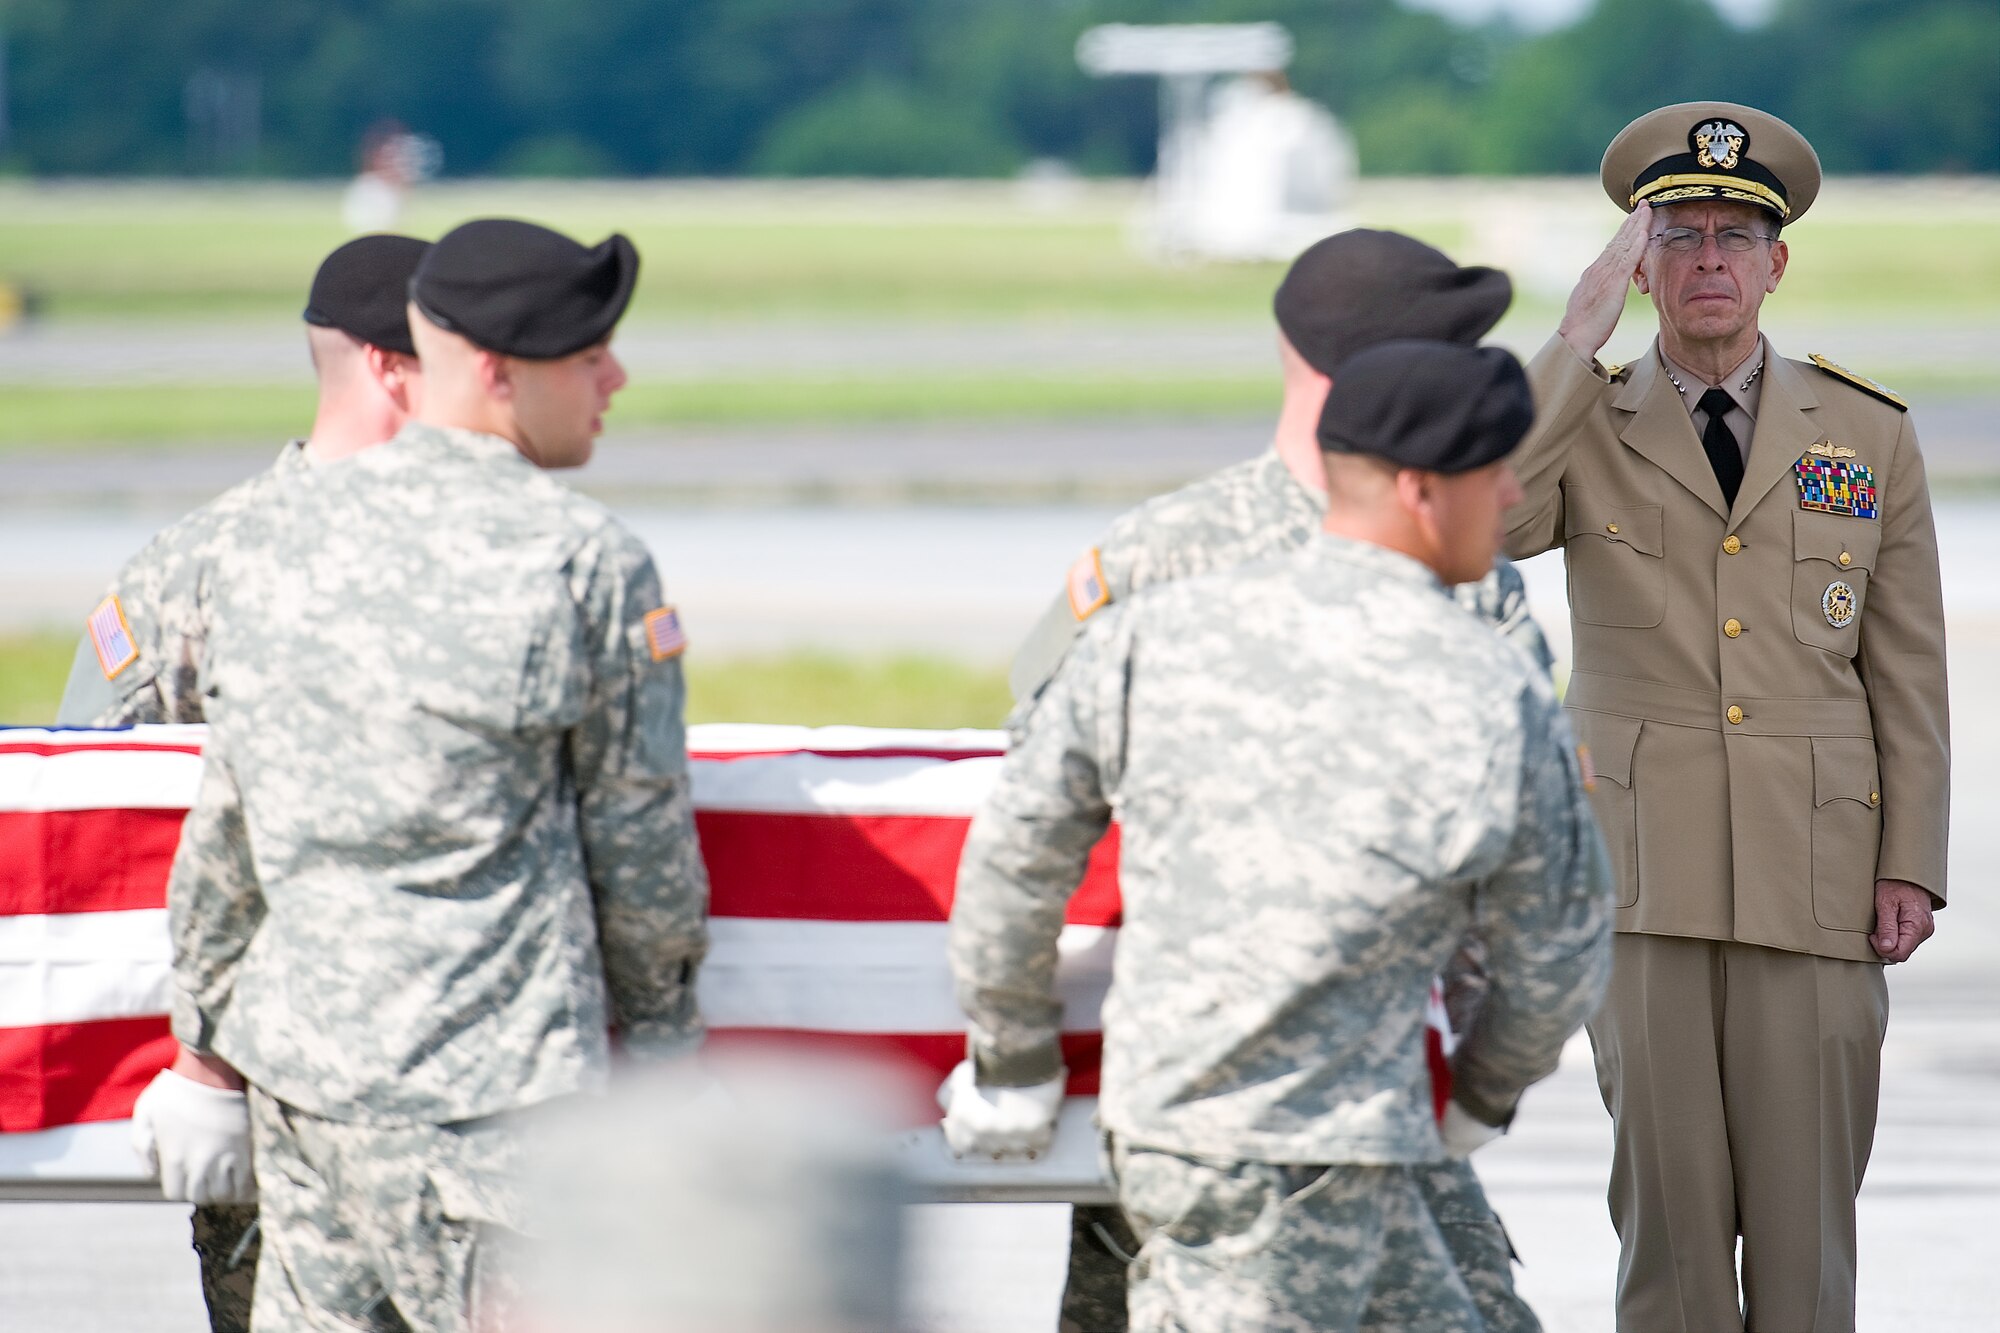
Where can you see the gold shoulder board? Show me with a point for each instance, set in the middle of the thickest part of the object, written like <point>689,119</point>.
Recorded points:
<point>1861,382</point>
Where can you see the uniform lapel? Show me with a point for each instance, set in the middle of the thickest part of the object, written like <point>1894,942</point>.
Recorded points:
<point>1785,429</point>
<point>1662,431</point>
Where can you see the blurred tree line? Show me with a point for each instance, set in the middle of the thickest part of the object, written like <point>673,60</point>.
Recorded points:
<point>938,87</point>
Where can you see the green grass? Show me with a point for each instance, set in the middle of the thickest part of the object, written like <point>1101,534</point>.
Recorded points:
<point>814,689</point>
<point>167,250</point>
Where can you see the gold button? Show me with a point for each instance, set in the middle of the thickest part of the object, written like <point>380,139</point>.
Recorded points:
<point>1731,544</point>
<point>1735,715</point>
<point>1732,627</point>
<point>1611,527</point>
<point>1846,559</point>
<point>1874,798</point>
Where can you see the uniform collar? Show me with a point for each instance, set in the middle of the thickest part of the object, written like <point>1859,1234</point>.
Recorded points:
<point>1291,495</point>
<point>292,458</point>
<point>1329,549</point>
<point>1744,384</point>
<point>471,444</point>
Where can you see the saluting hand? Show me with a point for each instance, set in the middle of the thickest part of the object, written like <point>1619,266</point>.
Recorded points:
<point>1903,919</point>
<point>1599,297</point>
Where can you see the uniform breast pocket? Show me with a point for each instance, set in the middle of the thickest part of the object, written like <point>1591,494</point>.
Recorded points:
<point>1846,831</point>
<point>1833,555</point>
<point>1616,558</point>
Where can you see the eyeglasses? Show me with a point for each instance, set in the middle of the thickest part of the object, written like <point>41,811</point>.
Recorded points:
<point>1686,240</point>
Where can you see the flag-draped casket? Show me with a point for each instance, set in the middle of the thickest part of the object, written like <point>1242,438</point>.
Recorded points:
<point>831,854</point>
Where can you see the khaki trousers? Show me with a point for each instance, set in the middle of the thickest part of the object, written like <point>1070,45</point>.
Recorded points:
<point>1742,1083</point>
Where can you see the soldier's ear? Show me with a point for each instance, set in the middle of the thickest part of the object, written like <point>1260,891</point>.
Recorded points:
<point>496,372</point>
<point>1780,256</point>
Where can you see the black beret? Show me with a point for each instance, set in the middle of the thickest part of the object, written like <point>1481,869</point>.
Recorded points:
<point>1431,405</point>
<point>522,290</point>
<point>362,289</point>
<point>1362,287</point>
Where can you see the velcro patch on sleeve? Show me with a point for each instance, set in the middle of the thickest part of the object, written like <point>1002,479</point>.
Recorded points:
<point>1087,589</point>
<point>111,636</point>
<point>664,634</point>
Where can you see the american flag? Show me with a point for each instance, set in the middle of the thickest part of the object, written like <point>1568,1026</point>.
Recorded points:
<point>111,637</point>
<point>831,853</point>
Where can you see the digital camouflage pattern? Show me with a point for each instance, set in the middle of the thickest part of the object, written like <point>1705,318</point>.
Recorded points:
<point>1288,1249</point>
<point>163,592</point>
<point>385,1228</point>
<point>1248,511</point>
<point>444,836</point>
<point>1079,799</point>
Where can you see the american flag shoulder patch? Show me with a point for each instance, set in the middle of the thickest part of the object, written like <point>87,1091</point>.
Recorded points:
<point>664,634</point>
<point>111,635</point>
<point>1087,589</point>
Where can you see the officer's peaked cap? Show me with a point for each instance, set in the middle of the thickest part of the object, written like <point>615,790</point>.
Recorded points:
<point>1361,287</point>
<point>1712,150</point>
<point>522,290</point>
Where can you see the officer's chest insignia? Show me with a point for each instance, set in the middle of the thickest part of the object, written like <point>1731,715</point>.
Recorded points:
<point>1861,382</point>
<point>1838,604</point>
<point>1086,586</point>
<point>664,634</point>
<point>1834,486</point>
<point>1828,449</point>
<point>111,637</point>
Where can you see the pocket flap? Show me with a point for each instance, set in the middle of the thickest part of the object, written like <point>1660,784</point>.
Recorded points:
<point>1611,740</point>
<point>1828,537</point>
<point>1636,526</point>
<point>1844,768</point>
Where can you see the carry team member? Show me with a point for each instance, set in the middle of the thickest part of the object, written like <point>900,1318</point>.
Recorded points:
<point>1326,774</point>
<point>1343,294</point>
<point>444,839</point>
<point>138,657</point>
<point>1760,677</point>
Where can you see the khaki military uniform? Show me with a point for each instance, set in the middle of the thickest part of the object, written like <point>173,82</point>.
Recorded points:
<point>1762,689</point>
<point>159,600</point>
<point>1326,774</point>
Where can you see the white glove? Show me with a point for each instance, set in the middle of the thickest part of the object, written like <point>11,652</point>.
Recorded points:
<point>1462,1134</point>
<point>197,1138</point>
<point>999,1122</point>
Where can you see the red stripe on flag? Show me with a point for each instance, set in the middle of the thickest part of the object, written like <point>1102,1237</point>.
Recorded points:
<point>859,867</point>
<point>58,861</point>
<point>45,749</point>
<point>70,1072</point>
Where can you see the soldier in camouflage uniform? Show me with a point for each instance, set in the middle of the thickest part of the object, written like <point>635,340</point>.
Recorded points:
<point>364,361</point>
<point>1343,294</point>
<point>1326,774</point>
<point>444,838</point>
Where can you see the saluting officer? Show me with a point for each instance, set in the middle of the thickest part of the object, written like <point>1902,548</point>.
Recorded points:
<point>1760,677</point>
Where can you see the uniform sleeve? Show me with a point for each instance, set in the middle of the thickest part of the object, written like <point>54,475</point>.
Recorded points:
<point>1501,599</point>
<point>1564,386</point>
<point>1544,921</point>
<point>1025,856</point>
<point>214,904</point>
<point>1901,661</point>
<point>87,697</point>
<point>636,813</point>
<point>1042,651</point>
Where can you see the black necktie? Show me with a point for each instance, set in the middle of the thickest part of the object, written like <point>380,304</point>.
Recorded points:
<point>1719,443</point>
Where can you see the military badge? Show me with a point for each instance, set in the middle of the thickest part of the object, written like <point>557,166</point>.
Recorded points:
<point>1832,486</point>
<point>1718,144</point>
<point>664,634</point>
<point>1838,604</point>
<point>1828,449</point>
<point>1087,589</point>
<point>111,637</point>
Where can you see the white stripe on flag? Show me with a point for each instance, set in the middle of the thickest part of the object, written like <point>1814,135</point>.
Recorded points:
<point>847,976</point>
<point>817,784</point>
<point>83,967</point>
<point>761,737</point>
<point>98,780</point>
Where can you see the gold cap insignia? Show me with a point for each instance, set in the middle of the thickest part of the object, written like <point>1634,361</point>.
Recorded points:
<point>1719,144</point>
